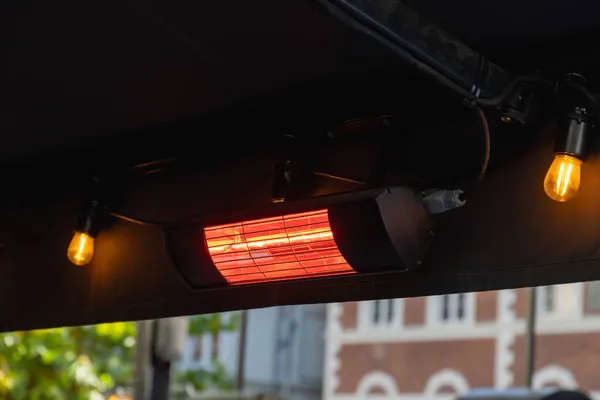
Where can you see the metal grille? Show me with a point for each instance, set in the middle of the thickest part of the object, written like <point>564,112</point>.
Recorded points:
<point>293,246</point>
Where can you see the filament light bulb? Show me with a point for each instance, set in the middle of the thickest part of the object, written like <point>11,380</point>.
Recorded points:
<point>81,249</point>
<point>563,178</point>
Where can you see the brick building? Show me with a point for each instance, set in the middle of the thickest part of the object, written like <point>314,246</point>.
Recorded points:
<point>433,348</point>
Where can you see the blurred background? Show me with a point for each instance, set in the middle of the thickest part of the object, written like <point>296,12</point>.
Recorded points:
<point>434,348</point>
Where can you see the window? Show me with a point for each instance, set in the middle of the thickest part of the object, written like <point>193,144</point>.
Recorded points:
<point>451,308</point>
<point>559,301</point>
<point>380,314</point>
<point>593,296</point>
<point>548,295</point>
<point>383,312</point>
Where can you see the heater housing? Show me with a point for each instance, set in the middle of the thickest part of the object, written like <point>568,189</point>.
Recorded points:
<point>371,231</point>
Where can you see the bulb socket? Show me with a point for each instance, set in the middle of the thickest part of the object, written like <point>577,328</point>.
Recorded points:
<point>573,134</point>
<point>522,105</point>
<point>90,218</point>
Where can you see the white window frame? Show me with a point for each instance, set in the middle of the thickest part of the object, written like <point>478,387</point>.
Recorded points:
<point>592,289</point>
<point>560,311</point>
<point>366,314</point>
<point>435,306</point>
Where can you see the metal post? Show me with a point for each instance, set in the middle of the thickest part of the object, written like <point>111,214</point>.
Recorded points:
<point>161,371</point>
<point>143,368</point>
<point>161,376</point>
<point>242,352</point>
<point>530,337</point>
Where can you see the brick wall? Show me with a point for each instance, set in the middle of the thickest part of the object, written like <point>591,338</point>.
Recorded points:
<point>349,315</point>
<point>521,303</point>
<point>414,311</point>
<point>486,306</point>
<point>577,352</point>
<point>411,364</point>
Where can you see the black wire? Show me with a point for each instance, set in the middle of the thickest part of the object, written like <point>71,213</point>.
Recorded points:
<point>486,143</point>
<point>408,57</point>
<point>164,225</point>
<point>586,92</point>
<point>138,221</point>
<point>338,178</point>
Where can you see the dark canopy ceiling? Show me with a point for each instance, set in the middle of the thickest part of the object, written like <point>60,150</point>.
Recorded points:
<point>80,72</point>
<point>90,86</point>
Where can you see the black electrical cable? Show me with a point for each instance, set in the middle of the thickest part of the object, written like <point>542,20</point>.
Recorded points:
<point>164,225</point>
<point>485,160</point>
<point>138,221</point>
<point>338,178</point>
<point>587,93</point>
<point>408,57</point>
<point>486,143</point>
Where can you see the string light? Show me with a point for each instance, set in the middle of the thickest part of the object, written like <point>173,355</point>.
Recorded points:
<point>579,107</point>
<point>564,175</point>
<point>81,249</point>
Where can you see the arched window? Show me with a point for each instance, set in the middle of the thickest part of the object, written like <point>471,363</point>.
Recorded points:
<point>377,382</point>
<point>444,381</point>
<point>554,376</point>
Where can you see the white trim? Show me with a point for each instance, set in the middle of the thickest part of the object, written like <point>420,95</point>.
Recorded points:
<point>505,339</point>
<point>446,377</point>
<point>420,334</point>
<point>504,331</point>
<point>401,396</point>
<point>589,324</point>
<point>333,344</point>
<point>434,310</point>
<point>377,379</point>
<point>554,374</point>
<point>365,315</point>
<point>418,396</point>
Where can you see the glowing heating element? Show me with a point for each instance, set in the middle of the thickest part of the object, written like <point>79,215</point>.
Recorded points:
<point>293,246</point>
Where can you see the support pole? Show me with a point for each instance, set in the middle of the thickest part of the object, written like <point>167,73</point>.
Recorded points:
<point>530,337</point>
<point>242,352</point>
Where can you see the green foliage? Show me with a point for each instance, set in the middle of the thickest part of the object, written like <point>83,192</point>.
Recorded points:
<point>204,379</point>
<point>216,376</point>
<point>213,324</point>
<point>66,363</point>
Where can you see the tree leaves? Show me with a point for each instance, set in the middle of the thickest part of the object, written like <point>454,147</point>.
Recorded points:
<point>206,379</point>
<point>76,363</point>
<point>216,376</point>
<point>214,323</point>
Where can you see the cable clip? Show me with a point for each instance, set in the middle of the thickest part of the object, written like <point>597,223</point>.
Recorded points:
<point>475,92</point>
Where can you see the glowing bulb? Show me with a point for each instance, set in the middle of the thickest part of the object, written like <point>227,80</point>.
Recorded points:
<point>563,178</point>
<point>81,249</point>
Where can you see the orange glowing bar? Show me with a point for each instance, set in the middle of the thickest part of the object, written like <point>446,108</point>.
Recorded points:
<point>294,246</point>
